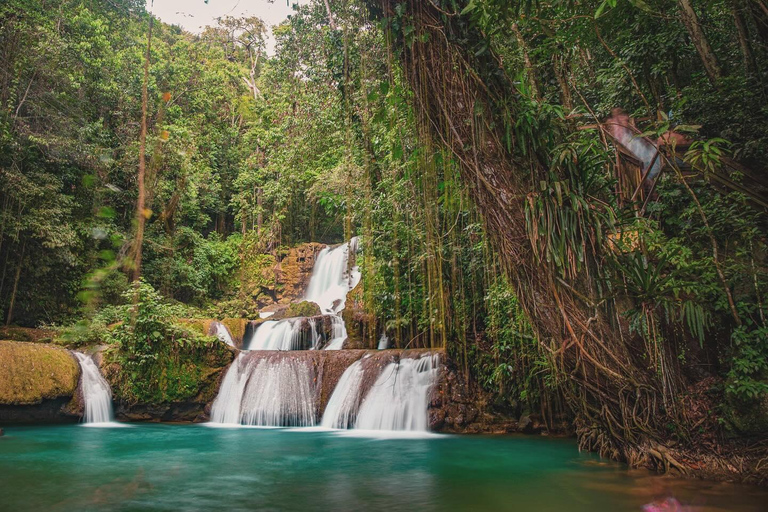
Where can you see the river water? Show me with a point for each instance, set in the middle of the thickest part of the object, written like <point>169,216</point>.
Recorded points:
<point>197,467</point>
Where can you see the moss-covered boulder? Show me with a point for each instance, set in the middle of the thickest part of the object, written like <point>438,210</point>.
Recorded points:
<point>236,327</point>
<point>37,383</point>
<point>298,309</point>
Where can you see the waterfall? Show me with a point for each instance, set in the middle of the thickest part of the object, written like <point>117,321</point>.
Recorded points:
<point>314,336</point>
<point>383,342</point>
<point>338,333</point>
<point>345,400</point>
<point>331,279</point>
<point>222,333</point>
<point>97,394</point>
<point>267,391</point>
<point>288,334</point>
<point>399,398</point>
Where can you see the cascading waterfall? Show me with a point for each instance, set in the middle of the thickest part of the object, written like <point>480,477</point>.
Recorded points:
<point>383,342</point>
<point>399,398</point>
<point>331,279</point>
<point>341,410</point>
<point>338,333</point>
<point>97,394</point>
<point>266,391</point>
<point>223,334</point>
<point>287,334</point>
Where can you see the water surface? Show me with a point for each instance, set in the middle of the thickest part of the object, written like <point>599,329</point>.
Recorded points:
<point>195,467</point>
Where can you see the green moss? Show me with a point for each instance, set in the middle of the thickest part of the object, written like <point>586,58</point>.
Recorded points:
<point>31,372</point>
<point>236,327</point>
<point>304,308</point>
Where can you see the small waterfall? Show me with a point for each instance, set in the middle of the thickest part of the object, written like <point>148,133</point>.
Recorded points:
<point>341,410</point>
<point>383,342</point>
<point>97,394</point>
<point>266,314</point>
<point>338,333</point>
<point>223,334</point>
<point>331,280</point>
<point>288,334</point>
<point>399,398</point>
<point>267,391</point>
<point>314,336</point>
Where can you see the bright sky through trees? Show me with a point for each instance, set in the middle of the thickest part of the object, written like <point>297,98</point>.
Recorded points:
<point>194,15</point>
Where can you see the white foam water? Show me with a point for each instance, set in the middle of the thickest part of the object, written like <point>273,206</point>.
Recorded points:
<point>399,398</point>
<point>338,333</point>
<point>331,279</point>
<point>97,395</point>
<point>288,334</point>
<point>223,334</point>
<point>342,407</point>
<point>269,391</point>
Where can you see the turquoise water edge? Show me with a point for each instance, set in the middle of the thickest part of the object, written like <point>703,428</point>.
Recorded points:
<point>196,467</point>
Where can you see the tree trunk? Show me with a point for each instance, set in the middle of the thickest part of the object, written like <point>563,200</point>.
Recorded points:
<point>612,390</point>
<point>9,318</point>
<point>747,56</point>
<point>259,209</point>
<point>691,21</point>
<point>529,69</point>
<point>141,213</point>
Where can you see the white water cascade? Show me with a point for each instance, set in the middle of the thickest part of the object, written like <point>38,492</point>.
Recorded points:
<point>97,394</point>
<point>269,391</point>
<point>342,407</point>
<point>399,398</point>
<point>331,279</point>
<point>338,333</point>
<point>222,333</point>
<point>285,334</point>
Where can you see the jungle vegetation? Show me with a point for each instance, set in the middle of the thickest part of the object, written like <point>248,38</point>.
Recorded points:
<point>464,142</point>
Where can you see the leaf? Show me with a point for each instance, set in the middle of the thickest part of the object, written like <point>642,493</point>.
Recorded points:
<point>469,8</point>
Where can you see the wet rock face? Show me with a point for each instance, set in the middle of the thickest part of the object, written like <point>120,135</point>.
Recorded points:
<point>38,383</point>
<point>294,270</point>
<point>461,407</point>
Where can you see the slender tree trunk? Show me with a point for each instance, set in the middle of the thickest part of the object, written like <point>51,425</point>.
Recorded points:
<point>259,209</point>
<point>529,69</point>
<point>699,39</point>
<point>747,56</point>
<point>141,213</point>
<point>9,318</point>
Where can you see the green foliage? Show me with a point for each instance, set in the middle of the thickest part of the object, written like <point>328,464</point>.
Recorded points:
<point>159,360</point>
<point>509,363</point>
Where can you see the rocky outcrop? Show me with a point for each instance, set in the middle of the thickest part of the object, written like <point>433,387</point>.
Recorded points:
<point>38,383</point>
<point>291,273</point>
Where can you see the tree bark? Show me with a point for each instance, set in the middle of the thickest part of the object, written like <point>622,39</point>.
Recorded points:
<point>612,390</point>
<point>141,213</point>
<point>747,56</point>
<point>9,318</point>
<point>708,59</point>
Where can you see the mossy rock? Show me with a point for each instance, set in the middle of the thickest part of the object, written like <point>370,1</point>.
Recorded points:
<point>297,309</point>
<point>32,372</point>
<point>199,325</point>
<point>236,327</point>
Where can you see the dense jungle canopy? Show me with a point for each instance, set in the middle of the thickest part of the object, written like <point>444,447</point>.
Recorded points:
<point>474,146</point>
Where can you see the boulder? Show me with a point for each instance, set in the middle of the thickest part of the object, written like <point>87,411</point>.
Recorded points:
<point>38,383</point>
